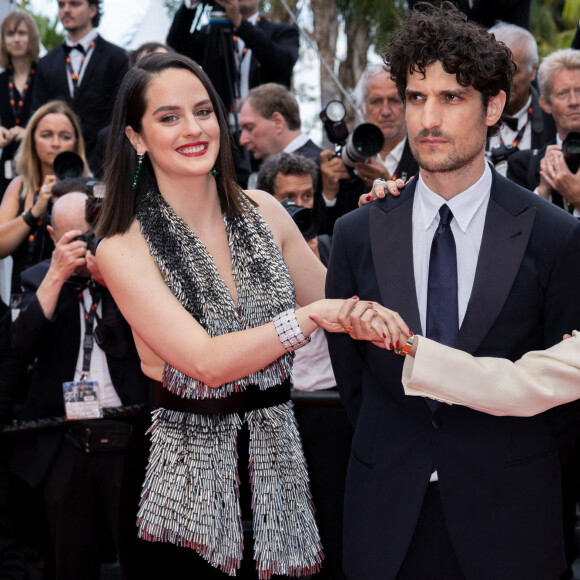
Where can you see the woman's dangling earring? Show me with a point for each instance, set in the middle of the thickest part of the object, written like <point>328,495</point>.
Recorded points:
<point>215,172</point>
<point>135,183</point>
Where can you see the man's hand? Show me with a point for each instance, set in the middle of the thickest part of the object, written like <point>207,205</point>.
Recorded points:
<point>68,255</point>
<point>555,175</point>
<point>371,170</point>
<point>332,170</point>
<point>232,10</point>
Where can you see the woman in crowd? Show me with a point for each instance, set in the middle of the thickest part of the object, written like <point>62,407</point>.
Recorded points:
<point>19,45</point>
<point>24,211</point>
<point>208,277</point>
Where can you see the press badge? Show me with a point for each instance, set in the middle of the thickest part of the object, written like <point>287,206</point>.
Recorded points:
<point>81,400</point>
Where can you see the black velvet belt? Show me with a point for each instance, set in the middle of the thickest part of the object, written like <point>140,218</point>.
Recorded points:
<point>249,399</point>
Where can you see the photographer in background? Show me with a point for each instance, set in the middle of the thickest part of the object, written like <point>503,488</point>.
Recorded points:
<point>379,103</point>
<point>238,55</point>
<point>525,125</point>
<point>544,170</point>
<point>69,328</point>
<point>324,429</point>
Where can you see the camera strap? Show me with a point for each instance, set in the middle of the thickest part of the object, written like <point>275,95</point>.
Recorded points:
<point>89,315</point>
<point>520,133</point>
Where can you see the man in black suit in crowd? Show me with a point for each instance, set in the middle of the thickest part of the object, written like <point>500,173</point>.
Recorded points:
<point>85,71</point>
<point>525,125</point>
<point>262,52</point>
<point>471,259</point>
<point>68,326</point>
<point>544,169</point>
<point>244,52</point>
<point>379,103</point>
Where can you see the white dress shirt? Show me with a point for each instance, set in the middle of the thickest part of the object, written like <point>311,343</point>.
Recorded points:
<point>76,58</point>
<point>469,208</point>
<point>99,370</point>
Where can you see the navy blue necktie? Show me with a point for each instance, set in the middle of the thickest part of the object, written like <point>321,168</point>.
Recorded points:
<point>442,315</point>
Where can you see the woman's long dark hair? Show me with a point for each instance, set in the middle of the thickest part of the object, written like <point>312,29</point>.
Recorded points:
<point>120,202</point>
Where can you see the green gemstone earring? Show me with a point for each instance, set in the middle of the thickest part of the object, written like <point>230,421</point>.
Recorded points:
<point>137,174</point>
<point>215,171</point>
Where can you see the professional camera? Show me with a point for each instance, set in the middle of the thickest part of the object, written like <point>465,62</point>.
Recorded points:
<point>303,217</point>
<point>364,143</point>
<point>68,164</point>
<point>571,151</point>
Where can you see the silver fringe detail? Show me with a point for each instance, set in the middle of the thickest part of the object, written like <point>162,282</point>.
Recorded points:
<point>190,493</point>
<point>263,284</point>
<point>191,490</point>
<point>286,538</point>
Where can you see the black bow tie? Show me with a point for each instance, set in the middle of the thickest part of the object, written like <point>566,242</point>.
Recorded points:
<point>511,122</point>
<point>79,47</point>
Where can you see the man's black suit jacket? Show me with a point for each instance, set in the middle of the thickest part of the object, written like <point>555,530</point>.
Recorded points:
<point>53,348</point>
<point>274,50</point>
<point>95,98</point>
<point>499,477</point>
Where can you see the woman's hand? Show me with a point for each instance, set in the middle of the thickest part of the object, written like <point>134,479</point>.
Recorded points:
<point>16,133</point>
<point>4,136</point>
<point>362,320</point>
<point>381,188</point>
<point>44,196</point>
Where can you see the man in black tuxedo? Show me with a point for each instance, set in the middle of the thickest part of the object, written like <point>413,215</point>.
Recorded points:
<point>85,71</point>
<point>544,169</point>
<point>241,52</point>
<point>468,257</point>
<point>379,103</point>
<point>525,125</point>
<point>68,326</point>
<point>261,51</point>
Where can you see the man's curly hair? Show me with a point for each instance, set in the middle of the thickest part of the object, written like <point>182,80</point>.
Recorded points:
<point>443,34</point>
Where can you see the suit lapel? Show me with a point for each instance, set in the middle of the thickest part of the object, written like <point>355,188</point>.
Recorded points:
<point>61,74</point>
<point>503,245</point>
<point>391,239</point>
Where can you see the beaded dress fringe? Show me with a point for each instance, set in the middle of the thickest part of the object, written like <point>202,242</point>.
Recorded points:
<point>190,495</point>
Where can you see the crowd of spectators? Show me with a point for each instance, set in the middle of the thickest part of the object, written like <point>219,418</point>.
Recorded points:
<point>79,474</point>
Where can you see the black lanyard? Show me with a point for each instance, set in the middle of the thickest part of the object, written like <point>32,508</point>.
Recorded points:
<point>17,99</point>
<point>75,78</point>
<point>89,315</point>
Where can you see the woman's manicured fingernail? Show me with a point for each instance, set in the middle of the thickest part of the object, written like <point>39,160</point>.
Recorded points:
<point>355,297</point>
<point>369,197</point>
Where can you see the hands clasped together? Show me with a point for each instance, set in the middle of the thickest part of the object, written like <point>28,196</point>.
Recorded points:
<point>363,320</point>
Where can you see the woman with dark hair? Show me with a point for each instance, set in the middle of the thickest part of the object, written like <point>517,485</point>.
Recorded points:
<point>54,128</point>
<point>208,276</point>
<point>19,44</point>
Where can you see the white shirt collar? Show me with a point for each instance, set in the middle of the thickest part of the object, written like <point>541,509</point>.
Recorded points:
<point>464,205</point>
<point>300,141</point>
<point>522,114</point>
<point>253,19</point>
<point>85,40</point>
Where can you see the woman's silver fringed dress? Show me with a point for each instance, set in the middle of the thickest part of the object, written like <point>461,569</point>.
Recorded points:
<point>190,495</point>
